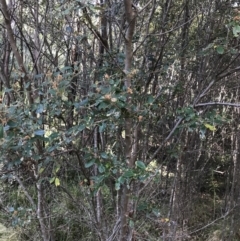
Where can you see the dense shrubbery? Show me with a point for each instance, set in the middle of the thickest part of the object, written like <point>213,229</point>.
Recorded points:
<point>119,120</point>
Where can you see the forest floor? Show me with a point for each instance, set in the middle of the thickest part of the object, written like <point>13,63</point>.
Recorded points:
<point>7,234</point>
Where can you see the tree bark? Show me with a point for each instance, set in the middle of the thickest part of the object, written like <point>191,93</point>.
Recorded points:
<point>130,149</point>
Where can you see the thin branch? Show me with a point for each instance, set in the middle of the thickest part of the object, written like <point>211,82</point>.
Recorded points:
<point>221,73</point>
<point>174,28</point>
<point>115,230</point>
<point>231,71</point>
<point>218,103</point>
<point>167,138</point>
<point>25,191</point>
<point>203,93</point>
<point>96,33</point>
<point>211,223</point>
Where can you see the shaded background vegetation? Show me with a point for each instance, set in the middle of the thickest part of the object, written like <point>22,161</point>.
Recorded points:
<point>119,119</point>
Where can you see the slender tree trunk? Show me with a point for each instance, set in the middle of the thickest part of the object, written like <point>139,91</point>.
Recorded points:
<point>130,136</point>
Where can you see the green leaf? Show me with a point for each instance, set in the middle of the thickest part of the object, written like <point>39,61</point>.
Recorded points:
<point>57,169</point>
<point>84,102</point>
<point>53,136</point>
<point>26,85</point>
<point>81,127</point>
<point>40,109</point>
<point>210,127</point>
<point>128,174</point>
<point>12,124</point>
<point>104,155</point>
<point>117,185</point>
<point>233,51</point>
<point>101,168</point>
<point>141,165</point>
<point>220,49</point>
<point>39,132</point>
<point>103,105</point>
<point>1,132</point>
<point>236,30</point>
<point>57,182</point>
<point>52,180</point>
<point>38,76</point>
<point>89,164</point>
<point>150,99</point>
<point>121,180</point>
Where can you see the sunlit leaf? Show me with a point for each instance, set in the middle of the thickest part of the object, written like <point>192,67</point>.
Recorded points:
<point>210,127</point>
<point>57,169</point>
<point>57,182</point>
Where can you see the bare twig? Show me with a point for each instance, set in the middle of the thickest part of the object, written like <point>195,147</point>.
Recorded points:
<point>25,191</point>
<point>203,93</point>
<point>115,230</point>
<point>211,223</point>
<point>167,138</point>
<point>218,103</point>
